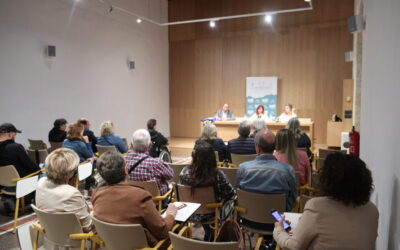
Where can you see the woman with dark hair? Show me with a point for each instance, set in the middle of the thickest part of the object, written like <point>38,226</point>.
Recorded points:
<point>303,141</point>
<point>287,152</point>
<point>202,173</point>
<point>57,133</point>
<point>343,218</point>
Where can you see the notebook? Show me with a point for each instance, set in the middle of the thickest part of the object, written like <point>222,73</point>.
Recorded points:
<point>185,212</point>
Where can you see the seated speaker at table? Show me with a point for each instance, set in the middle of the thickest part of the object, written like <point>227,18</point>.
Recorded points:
<point>288,114</point>
<point>225,114</point>
<point>261,113</point>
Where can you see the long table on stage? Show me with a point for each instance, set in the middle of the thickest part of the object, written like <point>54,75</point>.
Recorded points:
<point>227,130</point>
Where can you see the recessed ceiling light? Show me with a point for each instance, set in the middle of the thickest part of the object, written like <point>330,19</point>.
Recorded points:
<point>268,18</point>
<point>138,20</point>
<point>307,1</point>
<point>212,24</point>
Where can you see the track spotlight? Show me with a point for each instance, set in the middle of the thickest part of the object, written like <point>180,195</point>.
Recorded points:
<point>138,20</point>
<point>268,18</point>
<point>212,24</point>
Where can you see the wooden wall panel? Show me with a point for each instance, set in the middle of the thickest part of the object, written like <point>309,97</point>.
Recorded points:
<point>304,50</point>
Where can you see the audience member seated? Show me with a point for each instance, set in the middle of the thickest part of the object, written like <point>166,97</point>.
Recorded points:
<point>258,125</point>
<point>78,142</point>
<point>203,172</point>
<point>57,133</point>
<point>243,145</point>
<point>142,167</point>
<point>108,138</point>
<point>209,134</point>
<point>225,114</point>
<point>303,141</point>
<point>122,203</point>
<point>343,218</point>
<point>54,195</point>
<point>158,140</point>
<point>12,153</point>
<point>265,174</point>
<point>287,152</point>
<point>89,133</point>
<point>288,114</point>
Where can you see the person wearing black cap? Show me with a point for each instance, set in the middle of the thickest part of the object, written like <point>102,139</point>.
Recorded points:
<point>12,153</point>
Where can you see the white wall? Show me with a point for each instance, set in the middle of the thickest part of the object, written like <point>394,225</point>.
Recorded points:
<point>380,119</point>
<point>89,76</point>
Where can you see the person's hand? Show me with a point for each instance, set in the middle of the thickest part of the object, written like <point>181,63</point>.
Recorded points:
<point>172,209</point>
<point>85,138</point>
<point>91,159</point>
<point>280,222</point>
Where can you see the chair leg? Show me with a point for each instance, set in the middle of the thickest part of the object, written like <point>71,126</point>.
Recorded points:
<point>16,215</point>
<point>216,223</point>
<point>259,242</point>
<point>23,205</point>
<point>36,240</point>
<point>83,241</point>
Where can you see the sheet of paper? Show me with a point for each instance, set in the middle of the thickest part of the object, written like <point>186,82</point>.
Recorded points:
<point>184,213</point>
<point>293,218</point>
<point>84,171</point>
<point>26,186</point>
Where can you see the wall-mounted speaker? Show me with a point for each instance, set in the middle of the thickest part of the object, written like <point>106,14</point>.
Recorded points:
<point>131,64</point>
<point>355,23</point>
<point>51,50</point>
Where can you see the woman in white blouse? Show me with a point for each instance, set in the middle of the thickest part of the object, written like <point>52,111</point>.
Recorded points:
<point>288,114</point>
<point>261,113</point>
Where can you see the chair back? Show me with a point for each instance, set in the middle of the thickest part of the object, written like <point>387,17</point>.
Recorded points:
<point>315,180</point>
<point>103,149</point>
<point>58,226</point>
<point>54,146</point>
<point>32,155</point>
<point>37,144</point>
<point>6,174</point>
<point>37,155</point>
<point>202,195</point>
<point>126,142</point>
<point>320,163</point>
<point>237,159</point>
<point>182,243</point>
<point>42,154</point>
<point>231,174</point>
<point>259,206</point>
<point>323,153</point>
<point>120,236</point>
<point>297,176</point>
<point>24,236</point>
<point>177,168</point>
<point>150,186</point>
<point>303,201</point>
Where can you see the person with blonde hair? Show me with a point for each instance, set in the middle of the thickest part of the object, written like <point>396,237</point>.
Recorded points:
<point>287,152</point>
<point>78,142</point>
<point>108,138</point>
<point>209,134</point>
<point>55,195</point>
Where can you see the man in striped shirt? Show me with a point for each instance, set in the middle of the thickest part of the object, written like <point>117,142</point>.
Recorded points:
<point>243,145</point>
<point>142,167</point>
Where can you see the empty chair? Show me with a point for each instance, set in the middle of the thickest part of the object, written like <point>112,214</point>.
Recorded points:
<point>54,146</point>
<point>177,170</point>
<point>152,188</point>
<point>122,236</point>
<point>323,153</point>
<point>37,155</point>
<point>36,144</point>
<point>256,207</point>
<point>103,149</point>
<point>237,159</point>
<point>62,229</point>
<point>181,243</point>
<point>231,174</point>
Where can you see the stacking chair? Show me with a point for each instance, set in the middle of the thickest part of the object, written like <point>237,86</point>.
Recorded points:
<point>37,155</point>
<point>122,236</point>
<point>237,159</point>
<point>181,243</point>
<point>205,196</point>
<point>54,146</point>
<point>152,188</point>
<point>37,144</point>
<point>62,229</point>
<point>256,207</point>
<point>9,177</point>
<point>177,170</point>
<point>231,174</point>
<point>103,149</point>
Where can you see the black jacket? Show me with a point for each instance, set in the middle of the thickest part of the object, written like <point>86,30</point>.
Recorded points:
<point>158,141</point>
<point>12,153</point>
<point>92,139</point>
<point>57,135</point>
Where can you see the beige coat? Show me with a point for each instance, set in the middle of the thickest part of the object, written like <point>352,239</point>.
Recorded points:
<point>328,224</point>
<point>54,198</point>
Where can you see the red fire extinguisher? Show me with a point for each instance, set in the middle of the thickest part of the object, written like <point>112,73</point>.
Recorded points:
<point>354,144</point>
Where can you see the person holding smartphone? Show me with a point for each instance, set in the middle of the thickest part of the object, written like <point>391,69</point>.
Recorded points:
<point>343,218</point>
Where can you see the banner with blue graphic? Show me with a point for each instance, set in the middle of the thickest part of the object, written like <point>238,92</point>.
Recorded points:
<point>261,91</point>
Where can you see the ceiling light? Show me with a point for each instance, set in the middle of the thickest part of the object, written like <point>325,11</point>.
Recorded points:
<point>138,20</point>
<point>307,1</point>
<point>212,24</point>
<point>268,18</point>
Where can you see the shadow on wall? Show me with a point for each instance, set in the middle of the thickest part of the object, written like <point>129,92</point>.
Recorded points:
<point>394,218</point>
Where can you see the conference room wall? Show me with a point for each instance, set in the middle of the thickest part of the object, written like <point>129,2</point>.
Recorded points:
<point>89,76</point>
<point>380,123</point>
<point>208,67</point>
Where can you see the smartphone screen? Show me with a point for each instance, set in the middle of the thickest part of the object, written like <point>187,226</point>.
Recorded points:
<point>277,216</point>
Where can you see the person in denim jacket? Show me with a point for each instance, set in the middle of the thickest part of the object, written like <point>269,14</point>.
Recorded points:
<point>78,142</point>
<point>108,138</point>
